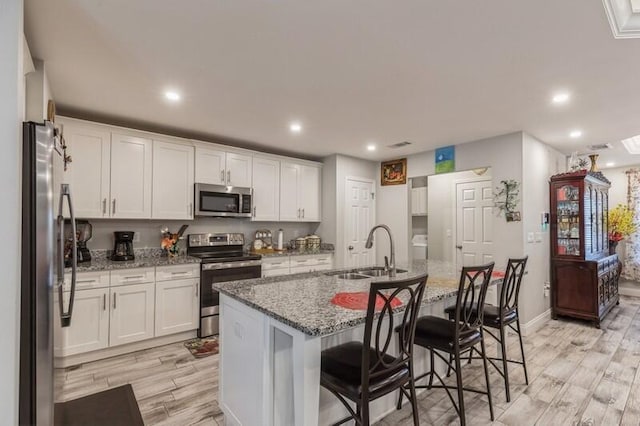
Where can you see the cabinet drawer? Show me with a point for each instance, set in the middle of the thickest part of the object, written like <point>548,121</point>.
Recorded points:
<point>271,264</point>
<point>87,280</point>
<point>301,269</point>
<point>275,272</point>
<point>132,276</point>
<point>303,261</point>
<point>326,259</point>
<point>177,272</point>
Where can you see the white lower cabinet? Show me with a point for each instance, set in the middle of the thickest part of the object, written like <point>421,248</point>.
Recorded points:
<point>132,313</point>
<point>177,306</point>
<point>285,265</point>
<point>89,328</point>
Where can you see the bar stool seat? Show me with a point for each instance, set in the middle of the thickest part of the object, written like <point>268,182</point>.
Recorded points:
<point>491,316</point>
<point>440,333</point>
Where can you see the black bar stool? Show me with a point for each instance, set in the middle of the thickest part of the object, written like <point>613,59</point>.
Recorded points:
<point>363,372</point>
<point>502,316</point>
<point>457,336</point>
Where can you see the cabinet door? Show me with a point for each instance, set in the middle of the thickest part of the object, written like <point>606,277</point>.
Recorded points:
<point>238,169</point>
<point>210,166</point>
<point>131,163</point>
<point>89,329</point>
<point>88,173</point>
<point>172,181</point>
<point>266,189</point>
<point>132,313</point>
<point>177,306</point>
<point>309,193</point>
<point>289,182</point>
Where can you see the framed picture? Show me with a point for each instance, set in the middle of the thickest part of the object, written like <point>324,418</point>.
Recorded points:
<point>445,159</point>
<point>393,172</point>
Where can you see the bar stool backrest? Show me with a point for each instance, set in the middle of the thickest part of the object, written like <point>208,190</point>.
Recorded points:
<point>511,284</point>
<point>379,326</point>
<point>474,281</point>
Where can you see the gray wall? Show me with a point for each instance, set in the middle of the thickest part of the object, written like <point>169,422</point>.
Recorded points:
<point>540,162</point>
<point>11,115</point>
<point>149,230</point>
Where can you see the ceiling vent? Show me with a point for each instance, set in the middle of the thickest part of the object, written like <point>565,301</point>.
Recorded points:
<point>600,147</point>
<point>624,17</point>
<point>400,144</point>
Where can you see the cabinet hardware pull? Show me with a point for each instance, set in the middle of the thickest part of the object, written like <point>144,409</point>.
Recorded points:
<point>104,301</point>
<point>196,286</point>
<point>180,273</point>
<point>228,176</point>
<point>114,301</point>
<point>133,277</point>
<point>303,213</point>
<point>222,175</point>
<point>190,209</point>
<point>298,213</point>
<point>85,281</point>
<point>254,211</point>
<point>104,206</point>
<point>113,207</point>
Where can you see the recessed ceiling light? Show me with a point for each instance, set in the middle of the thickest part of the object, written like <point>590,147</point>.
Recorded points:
<point>371,147</point>
<point>632,144</point>
<point>610,164</point>
<point>575,134</point>
<point>295,127</point>
<point>560,98</point>
<point>172,96</point>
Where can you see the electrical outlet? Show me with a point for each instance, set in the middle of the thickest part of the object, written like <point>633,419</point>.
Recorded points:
<point>538,237</point>
<point>530,237</point>
<point>136,237</point>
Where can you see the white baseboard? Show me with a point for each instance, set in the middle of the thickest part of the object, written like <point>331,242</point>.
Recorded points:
<point>537,323</point>
<point>629,291</point>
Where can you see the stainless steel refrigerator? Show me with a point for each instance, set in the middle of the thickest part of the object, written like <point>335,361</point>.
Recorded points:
<point>45,202</point>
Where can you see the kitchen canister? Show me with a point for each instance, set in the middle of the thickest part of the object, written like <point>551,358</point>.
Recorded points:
<point>301,244</point>
<point>280,244</point>
<point>313,244</point>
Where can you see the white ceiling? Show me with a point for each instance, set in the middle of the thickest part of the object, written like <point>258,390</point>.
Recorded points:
<point>353,72</point>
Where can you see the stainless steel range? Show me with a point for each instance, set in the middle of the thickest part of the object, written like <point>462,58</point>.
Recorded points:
<point>223,259</point>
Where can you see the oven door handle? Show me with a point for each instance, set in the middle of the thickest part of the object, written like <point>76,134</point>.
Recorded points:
<point>229,265</point>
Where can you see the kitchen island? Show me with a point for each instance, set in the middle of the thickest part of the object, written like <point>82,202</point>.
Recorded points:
<point>274,329</point>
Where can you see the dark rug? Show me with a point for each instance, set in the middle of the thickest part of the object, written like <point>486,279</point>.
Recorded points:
<point>113,407</point>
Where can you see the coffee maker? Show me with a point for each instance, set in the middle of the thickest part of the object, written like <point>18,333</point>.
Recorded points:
<point>84,231</point>
<point>123,247</point>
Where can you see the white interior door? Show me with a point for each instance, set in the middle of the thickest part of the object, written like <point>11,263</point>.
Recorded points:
<point>359,219</point>
<point>474,223</point>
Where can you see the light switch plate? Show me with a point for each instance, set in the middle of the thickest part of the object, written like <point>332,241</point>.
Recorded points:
<point>538,237</point>
<point>530,237</point>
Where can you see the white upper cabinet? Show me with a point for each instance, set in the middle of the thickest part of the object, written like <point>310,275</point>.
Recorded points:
<point>88,173</point>
<point>309,192</point>
<point>238,169</point>
<point>419,201</point>
<point>131,163</point>
<point>172,181</point>
<point>289,182</point>
<point>217,167</point>
<point>266,189</point>
<point>300,192</point>
<point>210,166</point>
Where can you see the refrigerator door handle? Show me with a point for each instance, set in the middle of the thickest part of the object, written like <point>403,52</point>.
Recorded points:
<point>65,316</point>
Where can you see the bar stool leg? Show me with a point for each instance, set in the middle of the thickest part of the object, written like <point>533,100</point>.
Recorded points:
<point>524,363</point>
<point>432,367</point>
<point>449,367</point>
<point>458,369</point>
<point>505,368</point>
<point>486,377</point>
<point>414,400</point>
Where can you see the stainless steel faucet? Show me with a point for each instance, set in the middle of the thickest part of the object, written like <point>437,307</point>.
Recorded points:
<point>389,266</point>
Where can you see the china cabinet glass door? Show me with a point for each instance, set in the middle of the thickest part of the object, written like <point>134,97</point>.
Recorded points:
<point>568,226</point>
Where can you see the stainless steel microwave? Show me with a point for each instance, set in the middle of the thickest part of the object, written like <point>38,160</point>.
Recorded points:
<point>222,201</point>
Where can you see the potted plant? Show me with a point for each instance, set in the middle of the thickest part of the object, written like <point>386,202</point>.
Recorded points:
<point>621,225</point>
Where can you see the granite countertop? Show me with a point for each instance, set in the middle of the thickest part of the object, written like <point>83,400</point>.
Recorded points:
<point>303,301</point>
<point>144,258</point>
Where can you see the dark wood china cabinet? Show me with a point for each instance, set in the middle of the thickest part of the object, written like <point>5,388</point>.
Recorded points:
<point>584,277</point>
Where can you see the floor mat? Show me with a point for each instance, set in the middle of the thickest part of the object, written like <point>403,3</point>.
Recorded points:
<point>200,348</point>
<point>113,407</point>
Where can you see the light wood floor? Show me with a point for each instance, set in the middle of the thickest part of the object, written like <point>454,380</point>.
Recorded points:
<point>578,375</point>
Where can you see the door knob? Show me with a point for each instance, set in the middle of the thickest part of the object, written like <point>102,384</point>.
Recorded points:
<point>350,247</point>
<point>459,247</point>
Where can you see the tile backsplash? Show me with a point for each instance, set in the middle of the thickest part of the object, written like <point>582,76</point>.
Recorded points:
<point>148,231</point>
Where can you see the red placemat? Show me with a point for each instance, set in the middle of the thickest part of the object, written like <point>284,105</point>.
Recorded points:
<point>359,301</point>
<point>497,274</point>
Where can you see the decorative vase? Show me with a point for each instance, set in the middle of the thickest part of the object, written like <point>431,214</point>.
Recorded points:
<point>594,166</point>
<point>612,247</point>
